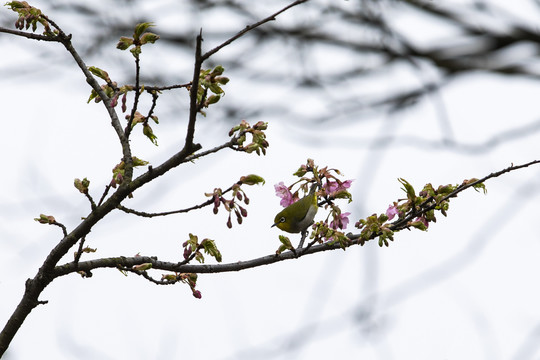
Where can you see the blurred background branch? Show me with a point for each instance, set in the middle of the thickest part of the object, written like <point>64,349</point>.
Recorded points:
<point>363,42</point>
<point>336,64</point>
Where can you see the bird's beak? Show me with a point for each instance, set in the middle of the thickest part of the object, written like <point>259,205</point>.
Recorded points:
<point>273,225</point>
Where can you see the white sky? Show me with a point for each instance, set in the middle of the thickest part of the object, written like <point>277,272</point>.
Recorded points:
<point>464,289</point>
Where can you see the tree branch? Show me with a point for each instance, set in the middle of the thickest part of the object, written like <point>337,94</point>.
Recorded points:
<point>114,262</point>
<point>49,269</point>
<point>115,122</point>
<point>66,41</point>
<point>264,260</point>
<point>31,36</point>
<point>403,223</point>
<point>127,131</point>
<point>164,213</point>
<point>45,274</point>
<point>193,104</point>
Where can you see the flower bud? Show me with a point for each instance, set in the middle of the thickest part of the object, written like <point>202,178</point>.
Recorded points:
<point>187,252</point>
<point>242,211</point>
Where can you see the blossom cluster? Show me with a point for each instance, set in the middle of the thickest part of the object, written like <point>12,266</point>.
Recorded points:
<point>330,188</point>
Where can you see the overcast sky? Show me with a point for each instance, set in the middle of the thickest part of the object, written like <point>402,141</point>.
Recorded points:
<point>464,289</point>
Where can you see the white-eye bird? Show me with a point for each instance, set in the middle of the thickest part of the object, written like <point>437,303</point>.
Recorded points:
<point>298,216</point>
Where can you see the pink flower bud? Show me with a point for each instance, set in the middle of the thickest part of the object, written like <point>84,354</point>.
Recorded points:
<point>124,98</point>
<point>391,212</point>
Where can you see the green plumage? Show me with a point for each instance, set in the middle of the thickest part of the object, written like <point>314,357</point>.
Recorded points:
<point>298,216</point>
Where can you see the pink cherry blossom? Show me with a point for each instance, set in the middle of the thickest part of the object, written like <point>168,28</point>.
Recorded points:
<point>391,212</point>
<point>332,187</point>
<point>341,222</point>
<point>422,220</point>
<point>284,193</point>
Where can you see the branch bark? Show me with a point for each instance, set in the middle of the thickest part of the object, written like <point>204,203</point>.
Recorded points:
<point>49,269</point>
<point>121,261</point>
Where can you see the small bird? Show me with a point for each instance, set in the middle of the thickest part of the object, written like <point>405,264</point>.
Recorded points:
<point>298,216</point>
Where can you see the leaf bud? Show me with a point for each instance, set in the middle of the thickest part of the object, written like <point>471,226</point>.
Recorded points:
<point>138,162</point>
<point>260,125</point>
<point>168,277</point>
<point>218,70</point>
<point>45,219</point>
<point>252,179</point>
<point>124,43</point>
<point>142,267</point>
<point>140,28</point>
<point>212,99</point>
<point>222,80</point>
<point>149,38</point>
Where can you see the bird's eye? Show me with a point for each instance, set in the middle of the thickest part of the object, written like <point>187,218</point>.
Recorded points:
<point>282,219</point>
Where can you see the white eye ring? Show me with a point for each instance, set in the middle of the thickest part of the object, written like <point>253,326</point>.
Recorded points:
<point>282,220</point>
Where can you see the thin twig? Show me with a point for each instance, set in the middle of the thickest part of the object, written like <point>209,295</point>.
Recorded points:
<point>49,269</point>
<point>31,36</point>
<point>127,131</point>
<point>115,122</point>
<point>172,212</point>
<point>164,213</point>
<point>192,255</point>
<point>310,244</point>
<point>145,275</point>
<point>92,203</point>
<point>403,223</point>
<point>242,265</point>
<point>62,226</point>
<point>181,157</point>
<point>228,144</point>
<point>105,192</point>
<point>249,28</point>
<point>155,97</point>
<point>80,250</point>
<point>168,87</point>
